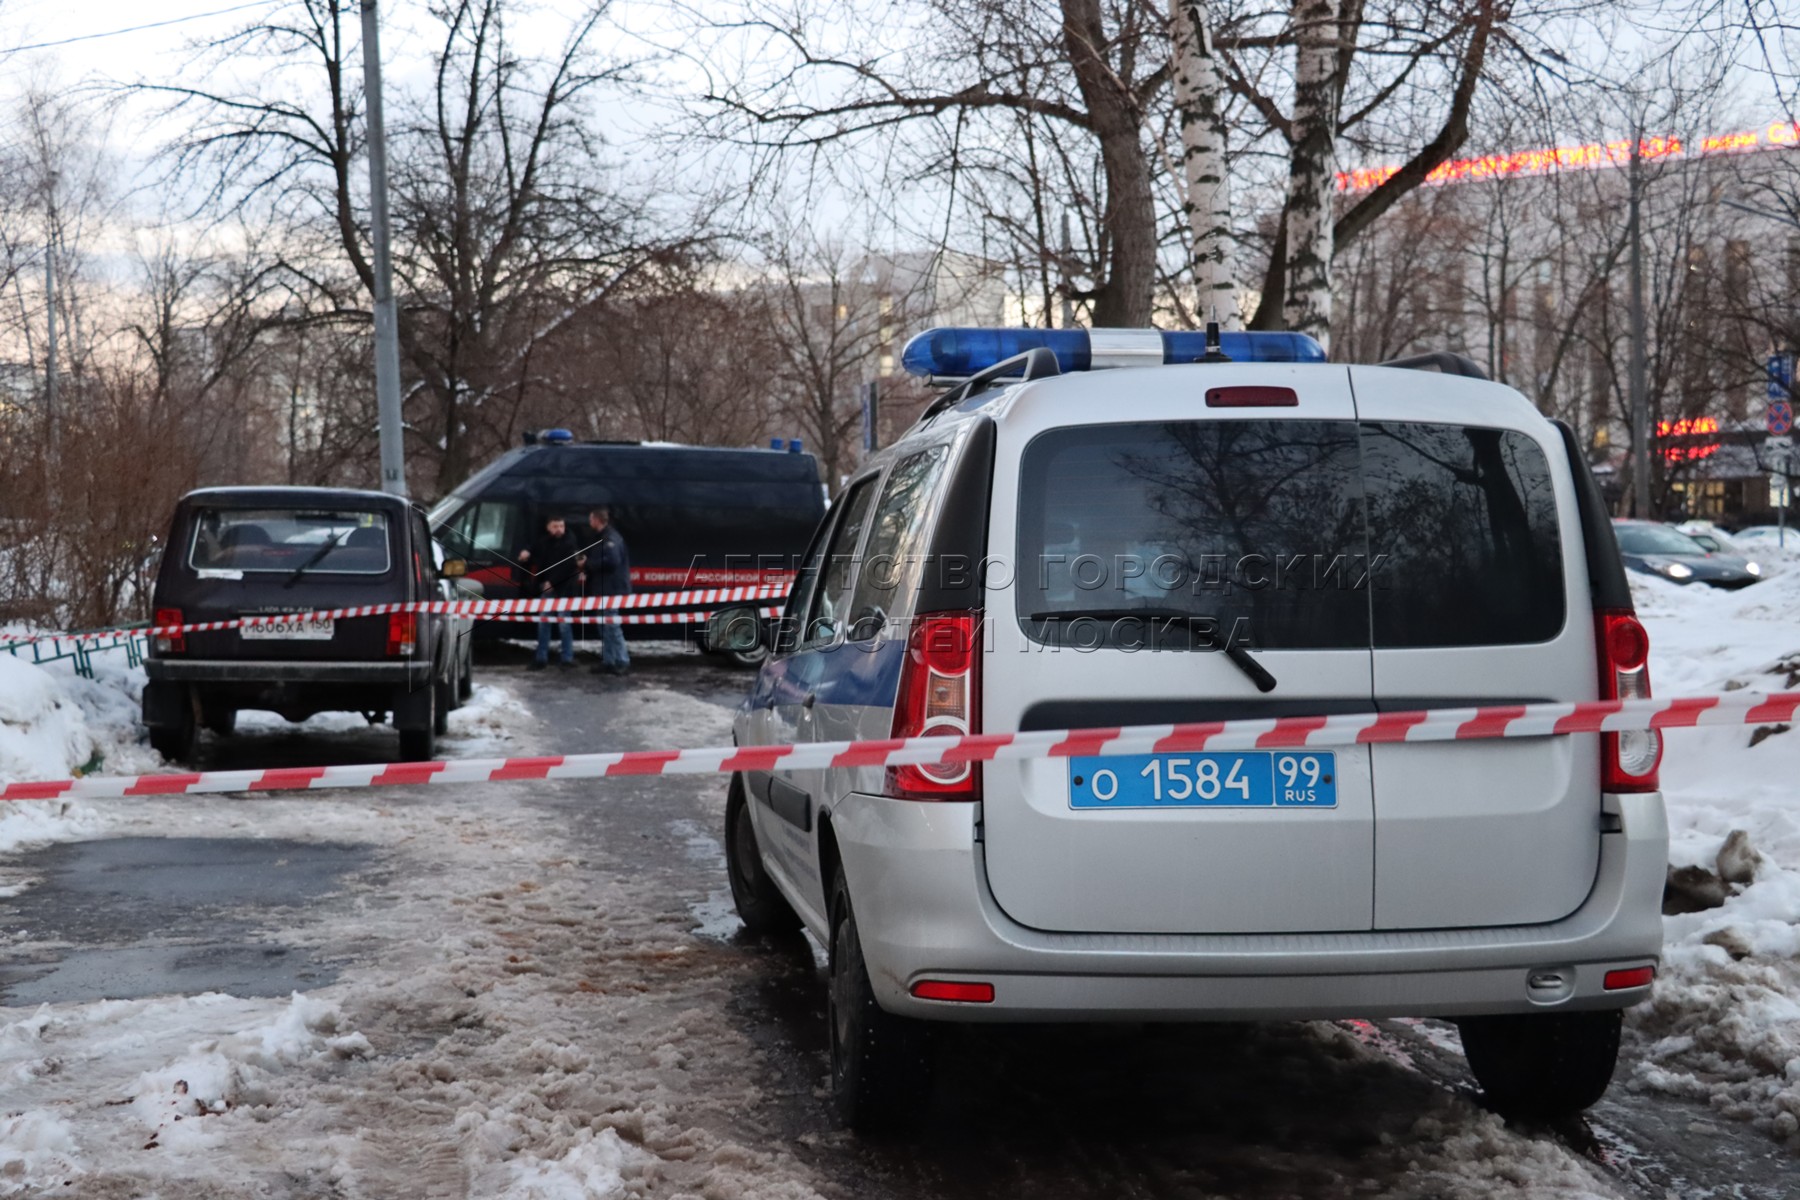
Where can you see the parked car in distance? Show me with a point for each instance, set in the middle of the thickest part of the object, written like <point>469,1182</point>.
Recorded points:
<point>249,551</point>
<point>1653,548</point>
<point>1712,539</point>
<point>1771,534</point>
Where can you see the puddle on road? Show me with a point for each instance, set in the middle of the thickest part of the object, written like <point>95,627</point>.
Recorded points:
<point>122,918</point>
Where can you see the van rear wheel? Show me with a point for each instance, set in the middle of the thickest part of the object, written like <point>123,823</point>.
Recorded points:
<point>880,1063</point>
<point>760,904</point>
<point>1543,1065</point>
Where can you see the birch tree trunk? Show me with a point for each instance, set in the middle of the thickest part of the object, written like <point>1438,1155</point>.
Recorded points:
<point>1200,109</point>
<point>1312,173</point>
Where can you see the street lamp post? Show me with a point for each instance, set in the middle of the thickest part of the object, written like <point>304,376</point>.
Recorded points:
<point>387,328</point>
<point>1640,402</point>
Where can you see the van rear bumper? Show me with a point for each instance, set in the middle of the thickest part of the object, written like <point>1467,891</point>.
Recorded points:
<point>924,911</point>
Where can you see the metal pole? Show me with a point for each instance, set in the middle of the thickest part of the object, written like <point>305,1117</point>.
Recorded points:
<point>50,414</point>
<point>387,329</point>
<point>1068,253</point>
<point>1640,404</point>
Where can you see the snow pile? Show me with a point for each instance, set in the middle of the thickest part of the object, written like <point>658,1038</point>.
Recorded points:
<point>34,1145</point>
<point>42,735</point>
<point>54,724</point>
<point>1724,1025</point>
<point>147,1099</point>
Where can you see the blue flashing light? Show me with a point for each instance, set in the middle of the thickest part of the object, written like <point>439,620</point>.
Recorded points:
<point>957,353</point>
<point>775,443</point>
<point>1244,346</point>
<point>795,445</point>
<point>556,436</point>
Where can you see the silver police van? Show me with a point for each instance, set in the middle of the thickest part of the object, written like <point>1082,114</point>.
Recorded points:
<point>1114,528</point>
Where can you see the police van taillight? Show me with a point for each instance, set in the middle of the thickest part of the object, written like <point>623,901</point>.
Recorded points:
<point>939,697</point>
<point>1628,759</point>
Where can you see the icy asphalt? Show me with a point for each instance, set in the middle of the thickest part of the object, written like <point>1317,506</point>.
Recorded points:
<point>555,1002</point>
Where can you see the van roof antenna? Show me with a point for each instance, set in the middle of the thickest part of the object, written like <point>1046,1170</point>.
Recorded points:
<point>1214,352</point>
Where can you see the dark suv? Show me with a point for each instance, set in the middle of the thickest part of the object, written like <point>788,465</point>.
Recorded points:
<point>242,551</point>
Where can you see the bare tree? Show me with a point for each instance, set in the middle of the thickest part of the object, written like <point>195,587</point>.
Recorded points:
<point>506,226</point>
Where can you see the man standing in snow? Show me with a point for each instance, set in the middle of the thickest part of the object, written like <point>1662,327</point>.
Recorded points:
<point>551,567</point>
<point>608,574</point>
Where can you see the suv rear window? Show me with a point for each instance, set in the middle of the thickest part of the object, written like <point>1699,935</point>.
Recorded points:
<point>285,539</point>
<point>1298,534</point>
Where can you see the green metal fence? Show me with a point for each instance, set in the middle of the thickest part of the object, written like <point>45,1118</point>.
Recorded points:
<point>81,650</point>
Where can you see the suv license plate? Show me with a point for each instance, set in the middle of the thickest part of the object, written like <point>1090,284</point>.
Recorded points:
<point>1251,779</point>
<point>316,630</point>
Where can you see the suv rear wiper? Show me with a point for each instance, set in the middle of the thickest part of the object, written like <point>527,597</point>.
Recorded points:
<point>1240,657</point>
<point>312,562</point>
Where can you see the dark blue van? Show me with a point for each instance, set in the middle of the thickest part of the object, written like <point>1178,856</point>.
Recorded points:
<point>692,516</point>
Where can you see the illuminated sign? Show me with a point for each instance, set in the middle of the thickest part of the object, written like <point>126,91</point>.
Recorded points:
<point>1687,426</point>
<point>1592,156</point>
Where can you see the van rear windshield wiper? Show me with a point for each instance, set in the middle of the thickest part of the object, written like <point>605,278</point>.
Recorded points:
<point>1239,656</point>
<point>317,555</point>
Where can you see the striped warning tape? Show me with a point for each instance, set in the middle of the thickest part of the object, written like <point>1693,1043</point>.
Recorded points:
<point>1348,729</point>
<point>687,598</point>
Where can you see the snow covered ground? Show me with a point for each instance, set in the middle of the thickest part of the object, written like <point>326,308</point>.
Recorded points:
<point>1725,1022</point>
<point>521,1024</point>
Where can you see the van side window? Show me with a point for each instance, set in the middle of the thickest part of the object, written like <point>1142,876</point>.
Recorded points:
<point>483,531</point>
<point>893,555</point>
<point>826,615</point>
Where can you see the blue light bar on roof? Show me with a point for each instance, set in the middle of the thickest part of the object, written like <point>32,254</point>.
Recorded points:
<point>957,353</point>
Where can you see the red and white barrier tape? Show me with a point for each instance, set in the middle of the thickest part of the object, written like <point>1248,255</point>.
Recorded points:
<point>1436,725</point>
<point>674,618</point>
<point>687,598</point>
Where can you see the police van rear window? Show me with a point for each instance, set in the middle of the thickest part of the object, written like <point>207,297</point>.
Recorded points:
<point>1290,534</point>
<point>240,540</point>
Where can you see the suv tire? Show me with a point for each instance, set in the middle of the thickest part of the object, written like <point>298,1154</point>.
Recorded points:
<point>760,904</point>
<point>880,1063</point>
<point>177,743</point>
<point>442,702</point>
<point>465,680</point>
<point>420,744</point>
<point>1543,1065</point>
<point>222,722</point>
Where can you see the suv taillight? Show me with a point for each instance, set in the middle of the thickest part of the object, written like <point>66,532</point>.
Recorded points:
<point>938,697</point>
<point>169,643</point>
<point>402,630</point>
<point>1628,760</point>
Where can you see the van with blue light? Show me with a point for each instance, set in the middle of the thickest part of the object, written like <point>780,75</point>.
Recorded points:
<point>1093,529</point>
<point>692,516</point>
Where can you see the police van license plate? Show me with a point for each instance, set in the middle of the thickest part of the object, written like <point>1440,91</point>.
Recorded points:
<point>1249,779</point>
<point>314,629</point>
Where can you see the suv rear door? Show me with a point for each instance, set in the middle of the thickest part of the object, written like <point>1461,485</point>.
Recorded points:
<point>1229,512</point>
<point>243,558</point>
<point>1481,600</point>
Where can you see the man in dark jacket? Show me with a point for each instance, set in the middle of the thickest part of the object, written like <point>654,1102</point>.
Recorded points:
<point>608,574</point>
<point>551,568</point>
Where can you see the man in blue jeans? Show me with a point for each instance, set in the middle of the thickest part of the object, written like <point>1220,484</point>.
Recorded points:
<point>608,574</point>
<point>551,568</point>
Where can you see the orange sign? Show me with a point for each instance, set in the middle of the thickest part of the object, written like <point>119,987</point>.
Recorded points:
<point>1590,157</point>
<point>1687,427</point>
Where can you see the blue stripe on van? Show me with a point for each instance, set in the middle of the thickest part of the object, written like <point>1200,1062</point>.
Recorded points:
<point>846,673</point>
